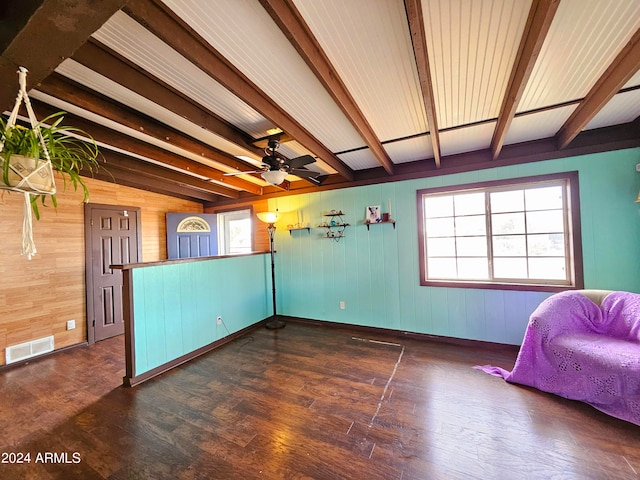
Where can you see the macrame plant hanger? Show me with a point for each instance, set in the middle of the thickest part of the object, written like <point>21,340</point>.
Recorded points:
<point>29,179</point>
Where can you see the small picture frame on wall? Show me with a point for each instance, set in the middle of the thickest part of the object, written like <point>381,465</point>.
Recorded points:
<point>372,214</point>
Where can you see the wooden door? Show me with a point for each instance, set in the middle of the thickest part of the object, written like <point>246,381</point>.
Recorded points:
<point>112,239</point>
<point>191,235</point>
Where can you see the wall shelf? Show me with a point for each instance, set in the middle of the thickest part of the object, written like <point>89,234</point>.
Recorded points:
<point>335,225</point>
<point>393,222</point>
<point>295,229</point>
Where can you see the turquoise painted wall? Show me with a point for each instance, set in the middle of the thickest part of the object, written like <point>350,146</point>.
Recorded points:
<point>376,272</point>
<point>176,305</point>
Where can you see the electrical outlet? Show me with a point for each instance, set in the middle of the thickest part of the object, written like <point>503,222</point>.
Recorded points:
<point>342,307</point>
<point>219,320</point>
<point>71,324</point>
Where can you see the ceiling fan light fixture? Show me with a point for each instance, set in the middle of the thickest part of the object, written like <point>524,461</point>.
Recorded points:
<point>274,177</point>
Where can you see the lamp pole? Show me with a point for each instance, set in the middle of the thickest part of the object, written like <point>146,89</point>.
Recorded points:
<point>274,322</point>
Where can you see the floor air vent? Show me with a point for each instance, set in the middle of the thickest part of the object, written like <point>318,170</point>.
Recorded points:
<point>15,353</point>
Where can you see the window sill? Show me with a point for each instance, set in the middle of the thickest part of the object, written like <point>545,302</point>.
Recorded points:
<point>525,287</point>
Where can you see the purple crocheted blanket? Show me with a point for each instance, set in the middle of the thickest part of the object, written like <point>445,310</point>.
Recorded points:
<point>577,350</point>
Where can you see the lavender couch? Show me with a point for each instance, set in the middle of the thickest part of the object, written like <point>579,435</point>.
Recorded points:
<point>584,345</point>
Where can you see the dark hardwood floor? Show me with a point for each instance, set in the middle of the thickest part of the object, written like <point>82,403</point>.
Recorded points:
<point>305,402</point>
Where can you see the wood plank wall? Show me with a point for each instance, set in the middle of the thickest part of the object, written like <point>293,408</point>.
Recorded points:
<point>37,297</point>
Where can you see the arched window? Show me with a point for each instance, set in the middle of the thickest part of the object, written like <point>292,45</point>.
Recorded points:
<point>193,224</point>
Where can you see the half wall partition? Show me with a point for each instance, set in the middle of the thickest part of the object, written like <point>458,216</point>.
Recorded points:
<point>176,310</point>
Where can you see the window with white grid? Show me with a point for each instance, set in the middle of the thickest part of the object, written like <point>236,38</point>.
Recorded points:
<point>508,233</point>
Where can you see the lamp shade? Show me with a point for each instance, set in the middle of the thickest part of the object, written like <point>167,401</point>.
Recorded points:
<point>274,177</point>
<point>268,217</point>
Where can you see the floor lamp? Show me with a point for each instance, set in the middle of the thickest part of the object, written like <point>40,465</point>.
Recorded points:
<point>270,218</point>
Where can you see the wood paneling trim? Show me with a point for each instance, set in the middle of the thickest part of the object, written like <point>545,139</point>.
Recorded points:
<point>132,266</point>
<point>133,380</point>
<point>424,337</point>
<point>129,331</point>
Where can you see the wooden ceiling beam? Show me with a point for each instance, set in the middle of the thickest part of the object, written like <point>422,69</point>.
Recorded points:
<point>163,23</point>
<point>122,167</point>
<point>119,176</point>
<point>13,18</point>
<point>538,23</point>
<point>625,65</point>
<point>118,140</point>
<point>421,54</point>
<point>54,30</point>
<point>599,140</point>
<point>102,60</point>
<point>68,91</point>
<point>285,14</point>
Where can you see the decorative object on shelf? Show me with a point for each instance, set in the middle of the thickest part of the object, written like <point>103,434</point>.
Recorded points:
<point>270,219</point>
<point>374,217</point>
<point>334,224</point>
<point>29,156</point>
<point>372,214</point>
<point>300,224</point>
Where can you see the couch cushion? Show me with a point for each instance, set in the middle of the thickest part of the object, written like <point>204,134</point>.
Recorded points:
<point>608,353</point>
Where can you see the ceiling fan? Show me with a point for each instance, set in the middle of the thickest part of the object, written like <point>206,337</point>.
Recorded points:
<point>275,166</point>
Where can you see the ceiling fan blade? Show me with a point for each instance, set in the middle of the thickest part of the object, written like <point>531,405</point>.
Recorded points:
<point>317,180</point>
<point>301,161</point>
<point>242,173</point>
<point>310,175</point>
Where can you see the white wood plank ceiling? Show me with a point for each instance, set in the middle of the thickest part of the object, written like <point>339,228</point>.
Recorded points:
<point>367,87</point>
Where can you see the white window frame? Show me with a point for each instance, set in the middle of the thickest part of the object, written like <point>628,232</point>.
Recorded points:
<point>572,235</point>
<point>224,218</point>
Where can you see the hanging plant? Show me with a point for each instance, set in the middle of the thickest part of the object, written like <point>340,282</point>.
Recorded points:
<point>23,154</point>
<point>28,157</point>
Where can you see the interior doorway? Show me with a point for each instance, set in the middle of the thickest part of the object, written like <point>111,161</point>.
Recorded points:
<point>112,237</point>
